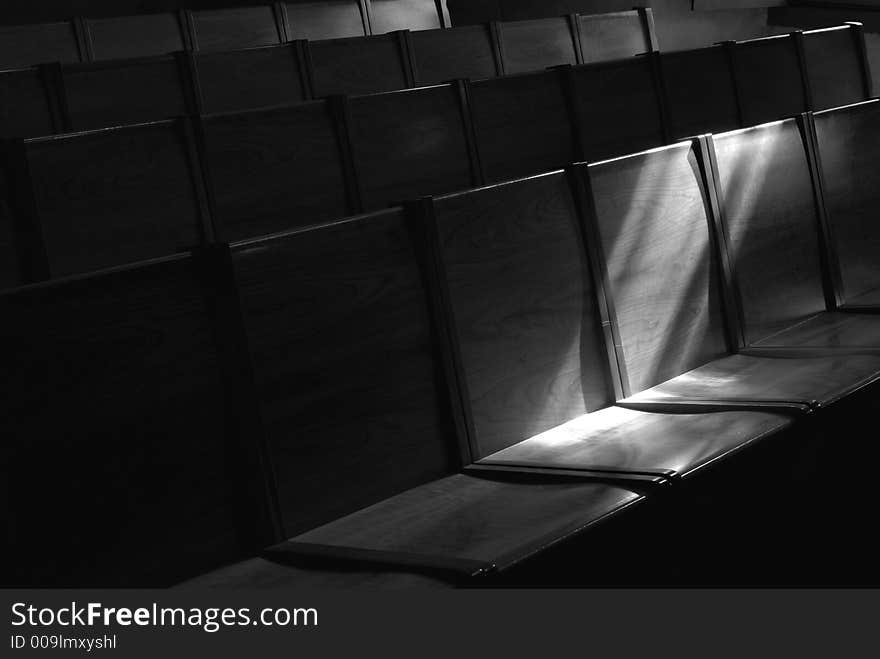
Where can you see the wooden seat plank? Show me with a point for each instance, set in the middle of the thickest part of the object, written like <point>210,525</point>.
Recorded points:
<point>829,330</point>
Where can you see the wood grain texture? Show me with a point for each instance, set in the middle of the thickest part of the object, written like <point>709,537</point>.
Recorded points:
<point>478,519</point>
<point>699,89</point>
<point>112,197</point>
<point>136,36</point>
<point>653,228</point>
<point>618,108</point>
<point>769,79</point>
<point>239,27</point>
<point>849,144</point>
<point>830,330</point>
<point>834,67</point>
<point>522,124</point>
<point>274,170</point>
<point>114,430</point>
<point>127,92</point>
<point>251,78</point>
<point>612,36</point>
<point>619,439</point>
<point>343,352</point>
<point>409,144</point>
<point>771,226</point>
<point>823,379</point>
<point>25,105</point>
<point>534,45</point>
<point>454,53</point>
<point>390,15</point>
<point>24,45</point>
<point>328,19</point>
<point>358,66</point>
<point>523,300</point>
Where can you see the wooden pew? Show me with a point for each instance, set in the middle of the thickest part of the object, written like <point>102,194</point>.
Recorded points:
<point>770,79</point>
<point>129,472</point>
<point>325,19</point>
<point>251,78</point>
<point>616,35</point>
<point>360,65</point>
<point>847,141</point>
<point>108,197</point>
<point>276,169</point>
<point>652,228</point>
<point>239,27</point>
<point>617,107</point>
<point>522,124</point>
<point>391,15</point>
<point>350,382</point>
<point>29,102</point>
<point>26,45</point>
<point>699,91</point>
<point>411,143</point>
<point>112,93</point>
<point>442,55</point>
<point>836,65</point>
<point>532,45</point>
<point>136,36</point>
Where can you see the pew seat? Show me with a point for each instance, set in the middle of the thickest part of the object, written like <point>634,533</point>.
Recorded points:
<point>866,299</point>
<point>829,330</point>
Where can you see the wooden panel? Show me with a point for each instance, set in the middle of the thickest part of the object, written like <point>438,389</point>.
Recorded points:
<point>834,67</point>
<point>241,27</point>
<point>136,36</point>
<point>476,519</point>
<point>389,15</point>
<point>849,146</point>
<point>112,197</point>
<point>618,108</point>
<point>408,144</point>
<point>699,90</point>
<point>358,66</point>
<point>771,225</point>
<point>619,439</point>
<point>274,170</point>
<point>523,300</point>
<point>515,10</point>
<point>536,44</point>
<point>251,78</point>
<point>463,52</point>
<point>26,97</point>
<point>522,125</point>
<point>23,45</point>
<point>114,398</point>
<point>125,92</point>
<point>768,76</point>
<point>339,332</point>
<point>613,36</point>
<point>329,19</point>
<point>831,330</point>
<point>654,233</point>
<point>10,269</point>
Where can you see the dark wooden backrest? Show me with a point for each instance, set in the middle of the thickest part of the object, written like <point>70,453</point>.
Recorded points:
<point>113,429</point>
<point>10,267</point>
<point>615,35</point>
<point>24,45</point>
<point>272,170</point>
<point>771,226</point>
<point>390,15</point>
<point>769,79</point>
<point>238,27</point>
<point>699,91</point>
<point>653,232</point>
<point>29,103</point>
<point>617,107</point>
<point>410,143</point>
<point>325,19</point>
<point>343,354</point>
<point>523,125</point>
<point>136,36</point>
<point>524,307</point>
<point>849,152</point>
<point>532,45</point>
<point>251,78</point>
<point>360,65</point>
<point>836,66</point>
<point>109,197</point>
<point>452,53</point>
<point>117,92</point>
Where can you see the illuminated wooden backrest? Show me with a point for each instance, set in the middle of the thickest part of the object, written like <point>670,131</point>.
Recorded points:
<point>532,45</point>
<point>836,66</point>
<point>327,19</point>
<point>616,35</point>
<point>390,15</point>
<point>360,65</point>
<point>239,27</point>
<point>271,170</point>
<point>461,52</point>
<point>25,45</point>
<point>136,36</point>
